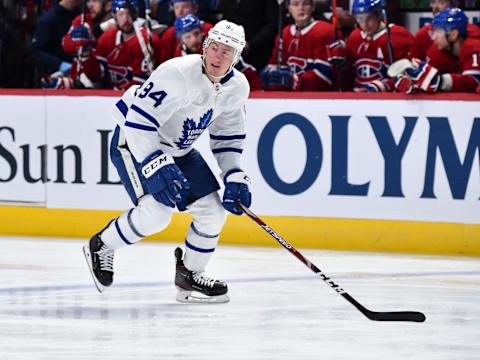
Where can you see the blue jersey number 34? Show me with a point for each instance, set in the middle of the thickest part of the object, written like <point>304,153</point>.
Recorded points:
<point>158,96</point>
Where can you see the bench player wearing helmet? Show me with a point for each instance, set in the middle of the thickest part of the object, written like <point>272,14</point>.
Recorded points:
<point>461,71</point>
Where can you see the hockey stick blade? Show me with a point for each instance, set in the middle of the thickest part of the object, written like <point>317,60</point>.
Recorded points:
<point>412,316</point>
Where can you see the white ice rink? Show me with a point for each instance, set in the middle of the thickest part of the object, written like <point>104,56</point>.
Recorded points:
<point>50,309</point>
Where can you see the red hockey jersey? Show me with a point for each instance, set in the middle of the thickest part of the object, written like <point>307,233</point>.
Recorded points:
<point>68,45</point>
<point>118,63</point>
<point>464,69</point>
<point>170,44</point>
<point>305,52</point>
<point>423,40</point>
<point>369,54</point>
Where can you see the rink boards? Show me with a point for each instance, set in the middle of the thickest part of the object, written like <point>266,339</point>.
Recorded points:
<point>337,171</point>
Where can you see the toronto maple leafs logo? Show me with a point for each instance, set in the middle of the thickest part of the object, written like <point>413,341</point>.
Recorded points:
<point>191,131</point>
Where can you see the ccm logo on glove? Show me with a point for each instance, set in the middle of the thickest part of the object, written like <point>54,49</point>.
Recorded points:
<point>156,163</point>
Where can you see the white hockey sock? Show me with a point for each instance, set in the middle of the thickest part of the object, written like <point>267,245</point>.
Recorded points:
<point>147,218</point>
<point>121,232</point>
<point>199,249</point>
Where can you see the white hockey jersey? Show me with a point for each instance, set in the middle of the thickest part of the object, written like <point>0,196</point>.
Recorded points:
<point>177,103</point>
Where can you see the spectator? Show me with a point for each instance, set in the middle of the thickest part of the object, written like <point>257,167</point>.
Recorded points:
<point>169,40</point>
<point>190,34</point>
<point>423,39</point>
<point>126,54</point>
<point>260,20</point>
<point>49,31</point>
<point>451,35</point>
<point>371,48</point>
<point>303,62</point>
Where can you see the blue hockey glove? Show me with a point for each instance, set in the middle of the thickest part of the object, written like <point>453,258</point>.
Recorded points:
<point>275,78</point>
<point>80,33</point>
<point>164,178</point>
<point>80,36</point>
<point>236,189</point>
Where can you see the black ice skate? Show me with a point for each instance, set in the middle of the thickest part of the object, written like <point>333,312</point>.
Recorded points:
<point>100,262</point>
<point>196,287</point>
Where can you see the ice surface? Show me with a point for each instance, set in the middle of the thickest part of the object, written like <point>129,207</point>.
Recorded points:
<point>50,309</point>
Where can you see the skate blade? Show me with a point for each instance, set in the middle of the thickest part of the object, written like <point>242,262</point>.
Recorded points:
<point>88,258</point>
<point>193,297</point>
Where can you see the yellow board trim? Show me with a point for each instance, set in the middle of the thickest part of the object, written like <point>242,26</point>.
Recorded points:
<point>321,233</point>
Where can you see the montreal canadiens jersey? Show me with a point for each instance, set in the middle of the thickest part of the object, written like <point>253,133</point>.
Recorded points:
<point>69,45</point>
<point>423,40</point>
<point>305,52</point>
<point>170,43</point>
<point>369,54</point>
<point>121,63</point>
<point>177,104</point>
<point>464,69</point>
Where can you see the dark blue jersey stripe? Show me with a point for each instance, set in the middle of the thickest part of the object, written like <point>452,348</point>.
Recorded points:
<point>145,115</point>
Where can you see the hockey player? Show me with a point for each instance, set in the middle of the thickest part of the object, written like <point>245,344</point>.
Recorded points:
<point>169,38</point>
<point>423,41</point>
<point>303,65</point>
<point>450,35</point>
<point>190,33</point>
<point>82,35</point>
<point>99,12</point>
<point>126,54</point>
<point>368,48</point>
<point>157,124</point>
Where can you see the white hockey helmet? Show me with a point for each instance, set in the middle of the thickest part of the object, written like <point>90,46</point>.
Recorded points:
<point>227,33</point>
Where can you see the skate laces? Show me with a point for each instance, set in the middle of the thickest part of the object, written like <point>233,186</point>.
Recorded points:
<point>202,279</point>
<point>105,256</point>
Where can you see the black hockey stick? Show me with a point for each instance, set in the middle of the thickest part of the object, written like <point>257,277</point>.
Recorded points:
<point>414,316</point>
<point>280,34</point>
<point>391,56</point>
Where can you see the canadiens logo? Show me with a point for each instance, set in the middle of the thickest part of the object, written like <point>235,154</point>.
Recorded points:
<point>120,76</point>
<point>191,131</point>
<point>297,64</point>
<point>369,70</point>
